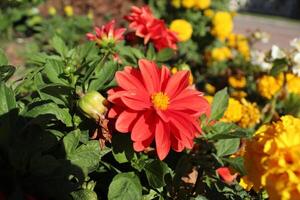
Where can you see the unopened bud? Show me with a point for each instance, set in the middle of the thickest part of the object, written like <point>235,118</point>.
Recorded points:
<point>93,105</point>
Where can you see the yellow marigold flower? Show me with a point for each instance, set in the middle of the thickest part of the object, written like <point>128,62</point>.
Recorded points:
<point>209,13</point>
<point>233,112</point>
<point>209,99</point>
<point>232,40</point>
<point>183,28</point>
<point>90,14</point>
<point>251,114</point>
<point>176,3</point>
<point>243,48</point>
<point>245,183</point>
<point>239,94</point>
<point>209,88</point>
<point>202,4</point>
<point>52,10</point>
<point>69,11</point>
<point>237,82</point>
<point>221,54</point>
<point>188,3</point>
<point>272,159</point>
<point>222,25</point>
<point>268,86</point>
<point>293,83</point>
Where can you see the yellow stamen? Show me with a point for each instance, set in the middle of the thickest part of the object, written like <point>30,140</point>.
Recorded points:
<point>160,100</point>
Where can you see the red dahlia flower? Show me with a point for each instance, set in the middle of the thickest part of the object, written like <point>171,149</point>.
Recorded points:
<point>107,34</point>
<point>153,105</point>
<point>151,29</point>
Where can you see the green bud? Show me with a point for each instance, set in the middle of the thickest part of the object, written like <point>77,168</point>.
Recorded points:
<point>184,66</point>
<point>93,105</point>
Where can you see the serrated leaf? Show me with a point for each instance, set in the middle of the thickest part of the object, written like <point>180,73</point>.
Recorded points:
<point>87,156</point>
<point>227,147</point>
<point>7,99</point>
<point>105,75</point>
<point>122,148</point>
<point>71,141</point>
<point>219,104</point>
<point>155,172</point>
<point>59,45</point>
<point>61,114</point>
<point>53,69</point>
<point>222,130</point>
<point>6,71</point>
<point>237,164</point>
<point>125,186</point>
<point>164,55</point>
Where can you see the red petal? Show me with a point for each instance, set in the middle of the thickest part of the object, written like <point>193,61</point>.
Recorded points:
<point>140,146</point>
<point>143,128</point>
<point>164,77</point>
<point>125,121</point>
<point>176,144</point>
<point>149,73</point>
<point>225,174</point>
<point>177,83</point>
<point>162,139</point>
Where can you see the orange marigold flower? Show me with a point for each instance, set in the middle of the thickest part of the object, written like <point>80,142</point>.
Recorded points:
<point>153,105</point>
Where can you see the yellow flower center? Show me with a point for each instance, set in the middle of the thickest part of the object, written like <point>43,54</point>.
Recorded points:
<point>160,100</point>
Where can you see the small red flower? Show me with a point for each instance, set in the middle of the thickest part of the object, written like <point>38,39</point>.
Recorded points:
<point>226,175</point>
<point>107,34</point>
<point>153,105</point>
<point>151,29</point>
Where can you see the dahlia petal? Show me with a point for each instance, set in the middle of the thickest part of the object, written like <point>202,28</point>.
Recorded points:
<point>176,144</point>
<point>125,121</point>
<point>114,111</point>
<point>135,101</point>
<point>183,125</point>
<point>142,145</point>
<point>162,139</point>
<point>182,138</point>
<point>142,129</point>
<point>90,36</point>
<point>127,81</point>
<point>149,73</point>
<point>164,77</point>
<point>177,83</point>
<point>162,115</point>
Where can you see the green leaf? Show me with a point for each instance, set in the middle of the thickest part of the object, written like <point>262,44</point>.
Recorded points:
<point>237,163</point>
<point>71,141</point>
<point>125,186</point>
<point>164,55</point>
<point>61,114</point>
<point>6,71</point>
<point>227,147</point>
<point>59,45</point>
<point>155,172</point>
<point>219,104</point>
<point>122,148</point>
<point>84,195</point>
<point>7,99</point>
<point>87,156</point>
<point>3,59</point>
<point>53,70</point>
<point>223,130</point>
<point>105,75</point>
<point>150,52</point>
<point>279,65</point>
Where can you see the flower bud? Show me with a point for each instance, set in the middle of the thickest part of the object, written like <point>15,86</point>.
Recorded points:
<point>93,105</point>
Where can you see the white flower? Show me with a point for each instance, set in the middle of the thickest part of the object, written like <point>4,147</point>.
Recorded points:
<point>296,64</point>
<point>277,53</point>
<point>258,58</point>
<point>295,43</point>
